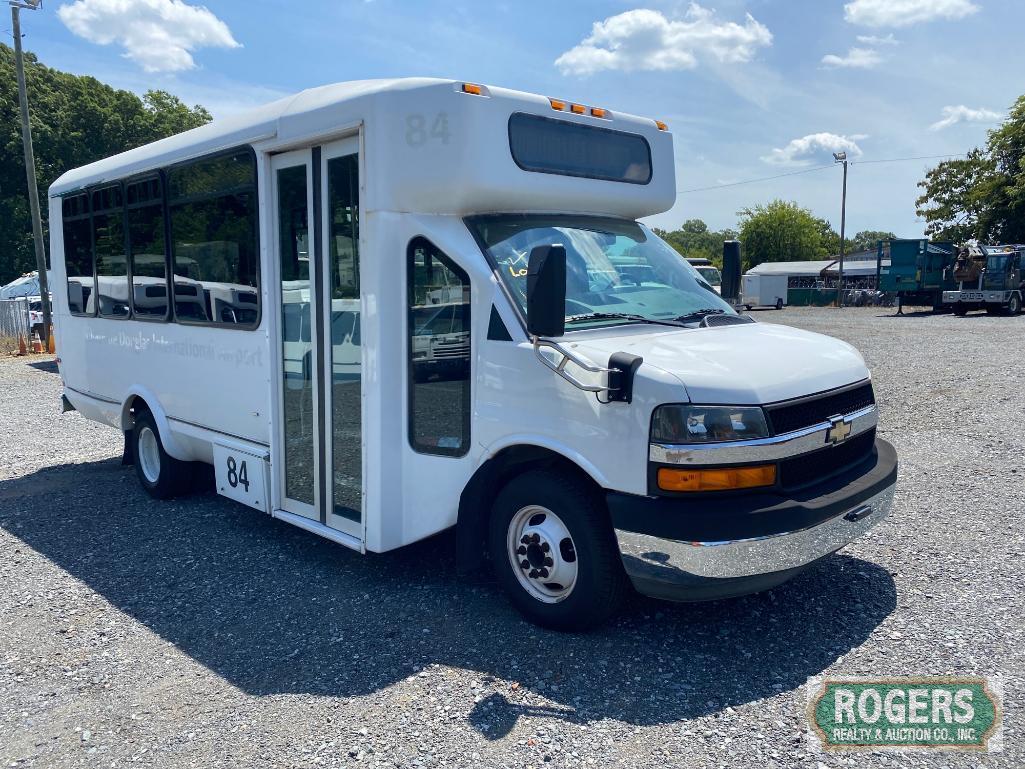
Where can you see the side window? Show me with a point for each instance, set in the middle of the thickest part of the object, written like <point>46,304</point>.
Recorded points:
<point>215,257</point>
<point>145,219</point>
<point>439,351</point>
<point>109,252</point>
<point>78,255</point>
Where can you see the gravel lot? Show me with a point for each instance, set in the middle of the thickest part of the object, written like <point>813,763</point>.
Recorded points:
<point>201,633</point>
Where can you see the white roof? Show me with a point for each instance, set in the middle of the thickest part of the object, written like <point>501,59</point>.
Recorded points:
<point>815,268</point>
<point>26,285</point>
<point>459,163</point>
<point>797,269</point>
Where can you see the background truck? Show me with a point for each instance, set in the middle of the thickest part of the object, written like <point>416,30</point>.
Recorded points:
<point>918,271</point>
<point>989,278</point>
<point>764,291</point>
<point>707,270</point>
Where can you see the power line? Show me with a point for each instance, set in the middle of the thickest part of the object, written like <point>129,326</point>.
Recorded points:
<point>752,181</point>
<point>817,168</point>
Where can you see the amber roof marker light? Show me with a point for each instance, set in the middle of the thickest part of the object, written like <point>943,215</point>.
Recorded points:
<point>473,88</point>
<point>661,126</point>
<point>557,104</point>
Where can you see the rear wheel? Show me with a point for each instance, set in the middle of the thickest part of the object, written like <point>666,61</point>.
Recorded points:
<point>960,310</point>
<point>554,553</point>
<point>160,474</point>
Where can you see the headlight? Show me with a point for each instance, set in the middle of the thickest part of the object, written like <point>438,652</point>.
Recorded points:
<point>707,424</point>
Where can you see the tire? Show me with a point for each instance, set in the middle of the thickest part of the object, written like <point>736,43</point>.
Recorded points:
<point>779,304</point>
<point>556,524</point>
<point>1014,305</point>
<point>160,474</point>
<point>960,310</point>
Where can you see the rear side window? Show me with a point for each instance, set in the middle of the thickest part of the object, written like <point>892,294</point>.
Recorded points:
<point>550,146</point>
<point>215,257</point>
<point>78,255</point>
<point>109,252</point>
<point>146,245</point>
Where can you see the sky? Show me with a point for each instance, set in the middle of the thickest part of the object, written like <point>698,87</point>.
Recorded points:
<point>751,89</point>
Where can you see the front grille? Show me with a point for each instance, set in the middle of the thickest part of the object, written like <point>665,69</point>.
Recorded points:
<point>787,417</point>
<point>811,468</point>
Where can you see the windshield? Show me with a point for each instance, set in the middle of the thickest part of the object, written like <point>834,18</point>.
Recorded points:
<point>613,267</point>
<point>710,274</point>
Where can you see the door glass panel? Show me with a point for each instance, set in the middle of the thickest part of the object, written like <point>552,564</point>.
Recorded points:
<point>297,346</point>
<point>343,256</point>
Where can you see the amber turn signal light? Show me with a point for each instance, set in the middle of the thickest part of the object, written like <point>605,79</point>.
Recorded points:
<point>717,479</point>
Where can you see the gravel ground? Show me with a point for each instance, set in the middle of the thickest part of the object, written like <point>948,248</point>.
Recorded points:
<point>200,633</point>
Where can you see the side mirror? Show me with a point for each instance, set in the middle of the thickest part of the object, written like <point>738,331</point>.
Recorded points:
<point>546,291</point>
<point>731,269</point>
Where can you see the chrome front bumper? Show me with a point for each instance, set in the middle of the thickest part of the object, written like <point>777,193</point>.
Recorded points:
<point>670,549</point>
<point>760,555</point>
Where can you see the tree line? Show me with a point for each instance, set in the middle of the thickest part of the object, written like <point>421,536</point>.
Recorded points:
<point>780,231</point>
<point>75,120</point>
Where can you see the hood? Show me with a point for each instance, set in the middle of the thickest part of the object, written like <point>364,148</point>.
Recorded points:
<point>738,365</point>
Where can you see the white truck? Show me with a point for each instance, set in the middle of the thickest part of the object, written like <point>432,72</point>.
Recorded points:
<point>764,291</point>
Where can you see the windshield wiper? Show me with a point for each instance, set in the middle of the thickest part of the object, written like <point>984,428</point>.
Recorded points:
<point>620,316</point>
<point>690,317</point>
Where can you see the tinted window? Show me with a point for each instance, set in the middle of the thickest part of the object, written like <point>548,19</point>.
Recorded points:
<point>439,352</point>
<point>214,240</point>
<point>78,255</point>
<point>109,252</point>
<point>559,147</point>
<point>146,244</point>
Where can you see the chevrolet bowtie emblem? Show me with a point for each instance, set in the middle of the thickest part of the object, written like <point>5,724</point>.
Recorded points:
<point>838,431</point>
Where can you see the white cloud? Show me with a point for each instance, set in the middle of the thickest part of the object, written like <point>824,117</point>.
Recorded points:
<point>876,40</point>
<point>903,13</point>
<point>963,114</point>
<point>859,58</point>
<point>644,39</point>
<point>808,147</point>
<point>159,35</point>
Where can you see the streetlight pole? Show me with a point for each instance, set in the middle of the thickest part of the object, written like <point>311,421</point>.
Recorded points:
<point>841,157</point>
<point>30,163</point>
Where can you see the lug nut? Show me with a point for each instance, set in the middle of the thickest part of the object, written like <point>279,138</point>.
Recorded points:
<point>533,574</point>
<point>549,562</point>
<point>544,573</point>
<point>524,564</point>
<point>546,547</point>
<point>525,539</point>
<point>521,550</point>
<point>535,538</point>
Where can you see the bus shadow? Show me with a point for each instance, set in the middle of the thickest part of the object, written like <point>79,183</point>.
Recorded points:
<point>274,610</point>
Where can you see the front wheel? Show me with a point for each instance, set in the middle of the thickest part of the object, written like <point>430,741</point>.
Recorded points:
<point>1014,305</point>
<point>554,553</point>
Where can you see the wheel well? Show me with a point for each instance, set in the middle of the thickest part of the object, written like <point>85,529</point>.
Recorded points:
<point>134,406</point>
<point>479,493</point>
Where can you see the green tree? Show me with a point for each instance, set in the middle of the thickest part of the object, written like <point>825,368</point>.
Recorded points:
<point>953,203</point>
<point>75,120</point>
<point>695,240</point>
<point>830,237</point>
<point>780,231</point>
<point>868,240</point>
<point>982,195</point>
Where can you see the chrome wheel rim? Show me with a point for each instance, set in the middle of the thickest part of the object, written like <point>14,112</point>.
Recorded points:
<point>149,455</point>
<point>542,554</point>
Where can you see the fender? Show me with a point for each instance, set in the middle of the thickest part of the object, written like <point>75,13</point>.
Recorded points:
<point>171,445</point>
<point>545,442</point>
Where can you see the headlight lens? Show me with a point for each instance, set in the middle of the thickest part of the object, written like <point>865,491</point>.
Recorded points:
<point>707,424</point>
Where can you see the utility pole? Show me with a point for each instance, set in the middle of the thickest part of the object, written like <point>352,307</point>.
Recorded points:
<point>30,163</point>
<point>841,157</point>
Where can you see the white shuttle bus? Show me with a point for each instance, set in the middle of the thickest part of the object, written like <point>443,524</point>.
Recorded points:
<point>389,309</point>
